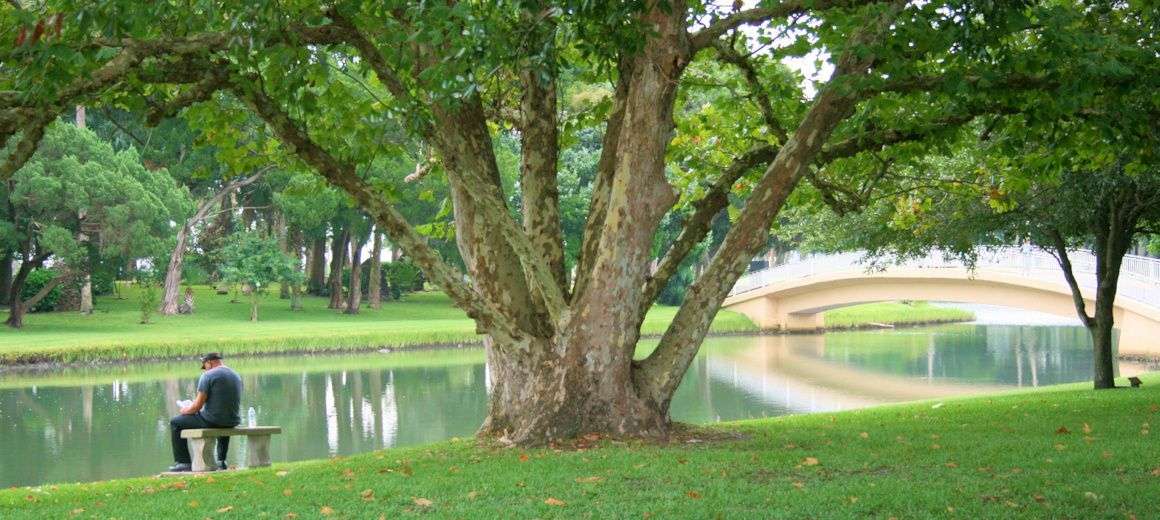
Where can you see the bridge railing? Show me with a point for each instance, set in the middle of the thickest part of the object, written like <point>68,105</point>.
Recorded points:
<point>1139,275</point>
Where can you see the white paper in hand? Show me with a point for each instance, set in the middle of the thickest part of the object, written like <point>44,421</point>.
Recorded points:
<point>184,403</point>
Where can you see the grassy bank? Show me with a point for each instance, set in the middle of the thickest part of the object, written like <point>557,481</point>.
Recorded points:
<point>893,313</point>
<point>113,332</point>
<point>1059,452</point>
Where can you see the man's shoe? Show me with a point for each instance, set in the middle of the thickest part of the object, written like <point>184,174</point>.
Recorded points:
<point>181,466</point>
<point>221,465</point>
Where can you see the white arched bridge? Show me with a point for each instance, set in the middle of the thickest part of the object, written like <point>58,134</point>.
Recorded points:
<point>792,296</point>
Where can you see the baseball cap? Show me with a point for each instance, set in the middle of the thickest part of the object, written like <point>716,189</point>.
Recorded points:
<point>210,356</point>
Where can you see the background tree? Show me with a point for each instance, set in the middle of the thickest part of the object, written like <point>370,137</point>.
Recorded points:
<point>78,193</point>
<point>251,259</point>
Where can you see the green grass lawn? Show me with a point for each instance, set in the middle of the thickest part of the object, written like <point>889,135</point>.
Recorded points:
<point>1064,452</point>
<point>113,331</point>
<point>893,313</point>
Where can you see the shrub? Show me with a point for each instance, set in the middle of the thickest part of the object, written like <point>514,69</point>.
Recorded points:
<point>32,285</point>
<point>104,282</point>
<point>403,277</point>
<point>149,299</point>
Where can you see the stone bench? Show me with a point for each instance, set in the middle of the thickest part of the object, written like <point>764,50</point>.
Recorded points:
<point>257,445</point>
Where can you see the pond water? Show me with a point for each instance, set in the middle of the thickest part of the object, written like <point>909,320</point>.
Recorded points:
<point>97,423</point>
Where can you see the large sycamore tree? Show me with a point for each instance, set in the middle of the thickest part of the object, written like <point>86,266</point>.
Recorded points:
<point>330,78</point>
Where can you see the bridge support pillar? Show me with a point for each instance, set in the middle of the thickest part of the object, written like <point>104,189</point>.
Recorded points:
<point>762,311</point>
<point>802,322</point>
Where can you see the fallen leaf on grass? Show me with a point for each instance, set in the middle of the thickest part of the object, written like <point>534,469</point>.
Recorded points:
<point>1156,472</point>
<point>472,495</point>
<point>368,495</point>
<point>210,480</point>
<point>282,473</point>
<point>554,502</point>
<point>225,509</point>
<point>1087,428</point>
<point>1106,454</point>
<point>524,457</point>
<point>1062,430</point>
<point>1040,498</point>
<point>287,492</point>
<point>1091,496</point>
<point>810,461</point>
<point>798,484</point>
<point>291,516</point>
<point>589,480</point>
<point>326,511</point>
<point>864,435</point>
<point>78,511</point>
<point>422,502</point>
<point>1060,447</point>
<point>693,495</point>
<point>181,484</point>
<point>951,465</point>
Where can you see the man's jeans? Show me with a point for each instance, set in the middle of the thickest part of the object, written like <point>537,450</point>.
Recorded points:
<point>193,422</point>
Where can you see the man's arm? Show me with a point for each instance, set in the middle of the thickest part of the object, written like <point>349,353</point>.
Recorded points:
<point>198,402</point>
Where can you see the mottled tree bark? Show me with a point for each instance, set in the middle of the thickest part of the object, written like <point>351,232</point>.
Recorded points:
<point>539,152</point>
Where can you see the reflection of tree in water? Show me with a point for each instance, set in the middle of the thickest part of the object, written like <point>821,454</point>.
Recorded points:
<point>56,434</point>
<point>1009,355</point>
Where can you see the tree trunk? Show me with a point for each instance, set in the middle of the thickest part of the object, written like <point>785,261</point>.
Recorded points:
<point>173,273</point>
<point>538,395</point>
<point>282,231</point>
<point>317,266</point>
<point>296,243</point>
<point>374,283</point>
<point>354,299</point>
<point>254,305</point>
<point>18,307</point>
<point>169,293</point>
<point>337,262</point>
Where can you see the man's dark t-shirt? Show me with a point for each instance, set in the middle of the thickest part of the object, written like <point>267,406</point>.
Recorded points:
<point>223,389</point>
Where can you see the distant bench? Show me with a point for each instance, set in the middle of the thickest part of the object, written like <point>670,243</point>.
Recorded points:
<point>257,445</point>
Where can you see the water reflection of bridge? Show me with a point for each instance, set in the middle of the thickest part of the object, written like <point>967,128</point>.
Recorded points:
<point>795,373</point>
<point>792,296</point>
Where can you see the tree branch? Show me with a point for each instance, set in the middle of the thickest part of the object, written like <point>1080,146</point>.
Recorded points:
<point>658,375</point>
<point>343,175</point>
<point>757,92</point>
<point>539,155</point>
<point>704,38</point>
<point>1069,274</point>
<point>697,227</point>
<point>602,188</point>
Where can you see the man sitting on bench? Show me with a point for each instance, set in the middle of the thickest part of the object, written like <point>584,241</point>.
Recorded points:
<point>219,396</point>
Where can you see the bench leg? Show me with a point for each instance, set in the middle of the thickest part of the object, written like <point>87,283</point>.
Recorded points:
<point>257,451</point>
<point>201,452</point>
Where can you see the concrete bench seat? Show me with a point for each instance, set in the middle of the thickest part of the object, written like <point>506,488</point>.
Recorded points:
<point>257,445</point>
